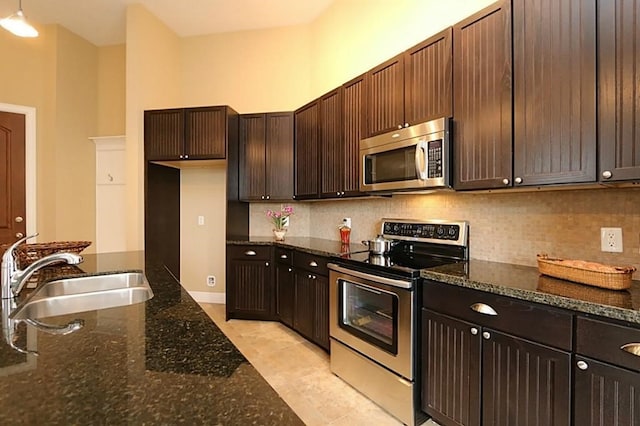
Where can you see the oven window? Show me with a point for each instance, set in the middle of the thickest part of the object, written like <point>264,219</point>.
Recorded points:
<point>391,166</point>
<point>370,314</point>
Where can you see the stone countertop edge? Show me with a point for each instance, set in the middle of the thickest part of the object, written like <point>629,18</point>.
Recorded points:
<point>626,314</point>
<point>316,246</point>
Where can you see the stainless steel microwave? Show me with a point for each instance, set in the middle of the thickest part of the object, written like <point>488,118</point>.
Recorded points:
<point>412,158</point>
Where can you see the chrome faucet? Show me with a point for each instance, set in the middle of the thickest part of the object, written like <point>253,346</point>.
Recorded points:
<point>13,280</point>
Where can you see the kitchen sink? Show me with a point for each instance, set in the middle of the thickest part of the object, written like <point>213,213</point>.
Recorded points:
<point>71,295</point>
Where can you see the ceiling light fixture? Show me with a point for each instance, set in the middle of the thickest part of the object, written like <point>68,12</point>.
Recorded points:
<point>17,24</point>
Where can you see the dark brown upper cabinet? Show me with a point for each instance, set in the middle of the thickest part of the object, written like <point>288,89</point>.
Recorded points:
<point>266,156</point>
<point>554,48</point>
<point>186,133</point>
<point>482,106</point>
<point>412,87</point>
<point>618,100</point>
<point>354,111</point>
<point>306,151</point>
<point>332,168</point>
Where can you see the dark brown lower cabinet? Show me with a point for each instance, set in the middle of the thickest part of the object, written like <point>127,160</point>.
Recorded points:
<point>249,290</point>
<point>311,312</point>
<point>285,293</point>
<point>605,394</point>
<point>474,375</point>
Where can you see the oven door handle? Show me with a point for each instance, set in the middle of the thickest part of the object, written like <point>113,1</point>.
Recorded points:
<point>370,277</point>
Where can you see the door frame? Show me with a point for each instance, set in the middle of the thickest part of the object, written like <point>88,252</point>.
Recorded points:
<point>30,160</point>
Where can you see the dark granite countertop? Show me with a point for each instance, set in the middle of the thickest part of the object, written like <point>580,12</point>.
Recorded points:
<point>524,282</point>
<point>317,246</point>
<point>159,362</point>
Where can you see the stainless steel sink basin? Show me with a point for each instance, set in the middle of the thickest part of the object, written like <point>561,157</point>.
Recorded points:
<point>71,295</point>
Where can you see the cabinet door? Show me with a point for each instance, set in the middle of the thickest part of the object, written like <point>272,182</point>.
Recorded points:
<point>385,97</point>
<point>252,157</point>
<point>331,145</point>
<point>450,369</point>
<point>619,104</point>
<point>285,288</point>
<point>428,80</point>
<point>554,91</point>
<point>249,283</point>
<point>205,133</point>
<point>304,304</point>
<point>163,134</point>
<point>605,395</point>
<point>354,119</point>
<point>482,135</point>
<point>279,156</point>
<point>321,311</point>
<point>524,382</point>
<point>307,122</point>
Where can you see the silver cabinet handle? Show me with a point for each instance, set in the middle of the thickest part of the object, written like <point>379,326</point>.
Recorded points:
<point>18,219</point>
<point>483,309</point>
<point>289,269</point>
<point>607,174</point>
<point>486,335</point>
<point>582,365</point>
<point>186,156</point>
<point>266,263</point>
<point>474,331</point>
<point>518,180</point>
<point>309,276</point>
<point>313,263</point>
<point>19,235</point>
<point>505,181</point>
<point>632,348</point>
<point>284,256</point>
<point>249,253</point>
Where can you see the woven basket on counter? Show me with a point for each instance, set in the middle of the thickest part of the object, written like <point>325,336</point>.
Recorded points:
<point>602,296</point>
<point>29,253</point>
<point>590,273</point>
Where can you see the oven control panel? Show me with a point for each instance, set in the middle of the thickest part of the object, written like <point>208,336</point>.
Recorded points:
<point>442,232</point>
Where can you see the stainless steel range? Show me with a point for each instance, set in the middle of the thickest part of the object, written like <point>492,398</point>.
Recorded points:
<point>374,307</point>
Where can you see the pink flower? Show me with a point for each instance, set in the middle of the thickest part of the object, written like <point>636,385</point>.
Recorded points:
<point>279,219</point>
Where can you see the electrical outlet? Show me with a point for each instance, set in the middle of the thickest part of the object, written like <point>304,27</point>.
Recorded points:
<point>211,280</point>
<point>611,239</point>
<point>200,220</point>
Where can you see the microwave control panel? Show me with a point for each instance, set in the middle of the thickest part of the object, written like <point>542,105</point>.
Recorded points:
<point>434,159</point>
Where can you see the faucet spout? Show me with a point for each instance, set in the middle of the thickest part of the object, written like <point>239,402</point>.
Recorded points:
<point>20,278</point>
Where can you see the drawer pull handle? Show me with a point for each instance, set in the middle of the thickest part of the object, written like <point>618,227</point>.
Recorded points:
<point>582,365</point>
<point>483,309</point>
<point>284,256</point>
<point>313,263</point>
<point>250,253</point>
<point>632,348</point>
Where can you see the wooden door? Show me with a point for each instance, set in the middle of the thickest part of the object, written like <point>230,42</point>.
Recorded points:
<point>554,45</point>
<point>619,104</point>
<point>605,394</point>
<point>285,293</point>
<point>13,207</point>
<point>164,134</point>
<point>482,106</point>
<point>385,97</point>
<point>306,146</point>
<point>321,311</point>
<point>249,283</point>
<point>428,79</point>
<point>354,115</point>
<point>331,145</point>
<point>524,382</point>
<point>279,156</point>
<point>304,304</point>
<point>450,369</point>
<point>252,157</point>
<point>205,133</point>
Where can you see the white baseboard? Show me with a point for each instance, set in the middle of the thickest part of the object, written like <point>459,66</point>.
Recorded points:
<point>207,297</point>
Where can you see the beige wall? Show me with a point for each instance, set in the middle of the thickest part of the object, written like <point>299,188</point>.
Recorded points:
<point>111,90</point>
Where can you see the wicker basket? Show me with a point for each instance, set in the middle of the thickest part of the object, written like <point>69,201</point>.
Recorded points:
<point>590,273</point>
<point>29,253</point>
<point>618,298</point>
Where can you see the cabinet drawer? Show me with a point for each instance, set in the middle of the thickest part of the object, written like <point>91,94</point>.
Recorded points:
<point>605,341</point>
<point>530,320</point>
<point>311,263</point>
<point>249,252</point>
<point>284,256</point>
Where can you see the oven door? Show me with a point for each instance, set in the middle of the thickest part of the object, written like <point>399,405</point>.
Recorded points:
<point>373,318</point>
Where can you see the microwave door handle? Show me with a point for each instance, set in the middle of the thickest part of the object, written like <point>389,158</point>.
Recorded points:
<point>421,160</point>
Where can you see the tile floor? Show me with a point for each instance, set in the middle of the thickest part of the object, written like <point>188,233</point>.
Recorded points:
<point>299,372</point>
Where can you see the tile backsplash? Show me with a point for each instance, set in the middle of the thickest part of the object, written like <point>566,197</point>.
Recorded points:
<point>510,227</point>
